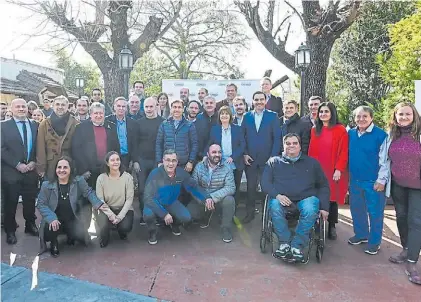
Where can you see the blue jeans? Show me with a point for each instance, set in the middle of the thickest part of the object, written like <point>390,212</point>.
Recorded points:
<point>309,211</point>
<point>177,210</point>
<point>363,201</point>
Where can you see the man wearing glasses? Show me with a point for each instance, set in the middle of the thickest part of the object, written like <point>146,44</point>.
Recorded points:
<point>97,97</point>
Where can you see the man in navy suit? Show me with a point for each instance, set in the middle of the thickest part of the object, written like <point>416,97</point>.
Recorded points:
<point>18,156</point>
<point>263,140</point>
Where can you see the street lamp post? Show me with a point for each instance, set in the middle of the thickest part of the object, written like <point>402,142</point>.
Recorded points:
<point>126,65</point>
<point>302,61</point>
<point>80,83</point>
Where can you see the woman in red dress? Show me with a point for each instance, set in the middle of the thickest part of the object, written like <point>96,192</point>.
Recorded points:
<point>329,145</point>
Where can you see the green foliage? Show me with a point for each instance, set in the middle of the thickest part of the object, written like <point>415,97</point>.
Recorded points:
<point>73,69</point>
<point>403,66</point>
<point>354,76</point>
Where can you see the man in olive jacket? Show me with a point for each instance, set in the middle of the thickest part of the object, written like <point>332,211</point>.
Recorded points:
<point>54,139</point>
<point>217,179</point>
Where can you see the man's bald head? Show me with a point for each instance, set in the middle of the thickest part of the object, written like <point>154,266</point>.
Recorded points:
<point>149,106</point>
<point>19,109</point>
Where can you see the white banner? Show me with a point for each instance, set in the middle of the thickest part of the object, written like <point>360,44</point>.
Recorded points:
<point>418,95</point>
<point>216,88</point>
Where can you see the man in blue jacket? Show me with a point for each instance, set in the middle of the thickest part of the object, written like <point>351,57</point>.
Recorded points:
<point>179,134</point>
<point>295,180</point>
<point>161,196</point>
<point>263,140</point>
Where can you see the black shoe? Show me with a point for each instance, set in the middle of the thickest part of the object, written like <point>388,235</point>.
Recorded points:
<point>123,236</point>
<point>11,238</point>
<point>31,229</point>
<point>331,234</point>
<point>152,238</point>
<point>175,229</point>
<point>54,249</point>
<point>226,235</point>
<point>142,222</point>
<point>249,217</point>
<point>103,243</point>
<point>70,241</point>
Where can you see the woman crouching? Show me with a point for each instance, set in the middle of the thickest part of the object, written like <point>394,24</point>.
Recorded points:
<point>59,205</point>
<point>115,187</point>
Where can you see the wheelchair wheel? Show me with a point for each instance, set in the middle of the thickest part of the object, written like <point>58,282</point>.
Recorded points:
<point>319,254</point>
<point>263,241</point>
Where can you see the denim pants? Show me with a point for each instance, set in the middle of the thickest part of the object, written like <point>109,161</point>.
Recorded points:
<point>363,201</point>
<point>408,218</point>
<point>177,210</point>
<point>309,210</point>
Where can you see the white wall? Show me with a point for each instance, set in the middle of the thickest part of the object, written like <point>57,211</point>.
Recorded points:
<point>216,88</point>
<point>10,70</point>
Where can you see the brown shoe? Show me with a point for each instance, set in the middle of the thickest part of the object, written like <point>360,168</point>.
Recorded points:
<point>401,258</point>
<point>412,272</point>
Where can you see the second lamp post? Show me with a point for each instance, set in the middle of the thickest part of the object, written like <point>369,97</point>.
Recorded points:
<point>302,61</point>
<point>126,65</point>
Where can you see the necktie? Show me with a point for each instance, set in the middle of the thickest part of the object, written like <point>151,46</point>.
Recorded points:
<point>25,139</point>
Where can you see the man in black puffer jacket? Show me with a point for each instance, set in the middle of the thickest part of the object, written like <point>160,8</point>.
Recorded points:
<point>179,134</point>
<point>291,123</point>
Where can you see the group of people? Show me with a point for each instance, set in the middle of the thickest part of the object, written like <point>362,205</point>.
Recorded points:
<point>187,159</point>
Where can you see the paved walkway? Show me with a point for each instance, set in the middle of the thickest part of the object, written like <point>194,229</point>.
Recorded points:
<point>198,266</point>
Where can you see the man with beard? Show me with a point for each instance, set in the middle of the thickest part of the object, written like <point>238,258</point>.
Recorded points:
<point>97,97</point>
<point>204,123</point>
<point>82,108</point>
<point>147,133</point>
<point>55,134</point>
<point>139,91</point>
<point>126,132</point>
<point>184,96</point>
<point>92,140</point>
<point>263,138</point>
<point>162,193</point>
<point>240,109</point>
<point>217,179</point>
<point>192,111</point>
<point>313,105</point>
<point>134,108</point>
<point>291,123</point>
<point>18,176</point>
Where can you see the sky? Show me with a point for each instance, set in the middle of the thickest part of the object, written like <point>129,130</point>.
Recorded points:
<point>16,24</point>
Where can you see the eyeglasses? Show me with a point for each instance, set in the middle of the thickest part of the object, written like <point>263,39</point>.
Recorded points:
<point>171,161</point>
<point>293,143</point>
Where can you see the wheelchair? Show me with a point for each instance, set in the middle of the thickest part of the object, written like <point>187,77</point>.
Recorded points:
<point>317,236</point>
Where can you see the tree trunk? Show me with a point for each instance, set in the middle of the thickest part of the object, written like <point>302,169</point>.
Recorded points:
<point>113,83</point>
<point>315,74</point>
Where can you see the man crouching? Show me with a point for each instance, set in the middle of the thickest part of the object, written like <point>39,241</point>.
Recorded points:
<point>295,180</point>
<point>217,178</point>
<point>162,191</point>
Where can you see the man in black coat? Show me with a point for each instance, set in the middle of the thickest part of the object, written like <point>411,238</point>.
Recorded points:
<point>273,103</point>
<point>292,123</point>
<point>92,140</point>
<point>204,123</point>
<point>18,156</point>
<point>127,131</point>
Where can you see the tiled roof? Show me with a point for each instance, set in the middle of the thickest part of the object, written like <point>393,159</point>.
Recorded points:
<point>14,87</point>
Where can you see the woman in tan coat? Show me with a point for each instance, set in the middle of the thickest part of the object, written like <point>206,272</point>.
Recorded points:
<point>55,137</point>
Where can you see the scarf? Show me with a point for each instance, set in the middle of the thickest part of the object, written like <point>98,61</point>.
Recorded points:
<point>288,159</point>
<point>59,123</point>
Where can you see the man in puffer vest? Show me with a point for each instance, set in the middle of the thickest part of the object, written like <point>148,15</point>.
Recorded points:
<point>218,180</point>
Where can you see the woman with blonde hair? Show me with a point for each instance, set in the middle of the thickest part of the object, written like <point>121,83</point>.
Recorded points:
<point>38,115</point>
<point>405,165</point>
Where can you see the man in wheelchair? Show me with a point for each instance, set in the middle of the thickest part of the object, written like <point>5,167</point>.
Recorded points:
<point>295,180</point>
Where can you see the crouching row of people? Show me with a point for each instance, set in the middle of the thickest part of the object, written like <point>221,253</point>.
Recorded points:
<point>60,203</point>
